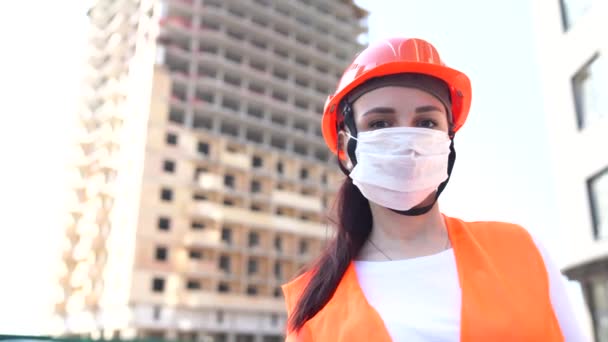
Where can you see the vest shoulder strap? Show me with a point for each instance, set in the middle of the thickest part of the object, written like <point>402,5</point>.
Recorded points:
<point>504,281</point>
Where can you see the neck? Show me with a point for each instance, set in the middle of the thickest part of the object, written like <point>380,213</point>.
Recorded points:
<point>395,236</point>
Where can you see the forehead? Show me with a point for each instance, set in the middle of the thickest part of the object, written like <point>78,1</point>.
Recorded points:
<point>396,97</point>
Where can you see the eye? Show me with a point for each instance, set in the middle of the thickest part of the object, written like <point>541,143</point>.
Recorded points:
<point>426,123</point>
<point>377,124</point>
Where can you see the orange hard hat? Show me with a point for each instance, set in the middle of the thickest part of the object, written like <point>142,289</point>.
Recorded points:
<point>397,56</point>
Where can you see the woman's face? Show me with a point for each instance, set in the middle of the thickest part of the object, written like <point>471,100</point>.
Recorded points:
<point>399,107</point>
<point>396,107</point>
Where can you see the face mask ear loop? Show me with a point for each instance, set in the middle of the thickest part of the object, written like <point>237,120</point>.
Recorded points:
<point>426,209</point>
<point>351,146</point>
<point>349,121</point>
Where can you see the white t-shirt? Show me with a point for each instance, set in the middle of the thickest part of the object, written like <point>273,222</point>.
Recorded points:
<point>419,299</point>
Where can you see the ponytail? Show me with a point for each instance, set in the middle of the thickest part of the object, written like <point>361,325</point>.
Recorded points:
<point>354,225</point>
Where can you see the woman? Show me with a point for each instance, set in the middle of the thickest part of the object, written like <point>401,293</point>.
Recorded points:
<point>397,269</point>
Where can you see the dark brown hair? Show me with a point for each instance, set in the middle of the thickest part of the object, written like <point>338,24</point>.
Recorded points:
<point>353,223</point>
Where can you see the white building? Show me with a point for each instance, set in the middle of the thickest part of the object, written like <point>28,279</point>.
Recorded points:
<point>573,51</point>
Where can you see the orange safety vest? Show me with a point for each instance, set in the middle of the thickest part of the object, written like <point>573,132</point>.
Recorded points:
<point>505,292</point>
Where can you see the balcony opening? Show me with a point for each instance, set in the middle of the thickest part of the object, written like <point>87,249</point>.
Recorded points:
<point>278,119</point>
<point>223,287</point>
<point>197,225</point>
<point>257,161</point>
<point>257,112</point>
<point>259,44</point>
<point>281,30</point>
<point>231,104</point>
<point>227,235</point>
<point>254,136</point>
<point>256,88</point>
<point>199,197</point>
<point>282,10</point>
<point>164,223</point>
<point>301,104</point>
<point>206,72</point>
<point>300,149</point>
<point>281,52</point>
<point>256,186</point>
<point>161,253</point>
<point>193,284</point>
<point>201,96</point>
<point>323,48</point>
<point>302,61</point>
<point>225,263</point>
<point>169,166</point>
<point>195,255</point>
<point>279,96</point>
<point>208,49</point>
<point>278,142</point>
<point>229,129</point>
<point>203,148</point>
<point>253,239</point>
<point>235,35</point>
<point>303,247</point>
<point>280,168</point>
<point>171,139</point>
<point>252,267</point>
<point>322,69</point>
<point>177,117</point>
<point>201,121</point>
<point>321,155</point>
<point>233,57</point>
<point>166,195</point>
<point>322,29</point>
<point>229,181</point>
<point>302,40</point>
<point>236,12</point>
<point>259,21</point>
<point>278,270</point>
<point>300,126</point>
<point>232,80</point>
<point>302,82</point>
<point>321,89</point>
<point>158,284</point>
<point>257,65</point>
<point>252,290</point>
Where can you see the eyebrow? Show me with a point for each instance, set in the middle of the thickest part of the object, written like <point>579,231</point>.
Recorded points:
<point>380,110</point>
<point>426,109</point>
<point>390,110</point>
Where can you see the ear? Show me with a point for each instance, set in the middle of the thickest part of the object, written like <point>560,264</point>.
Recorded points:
<point>343,157</point>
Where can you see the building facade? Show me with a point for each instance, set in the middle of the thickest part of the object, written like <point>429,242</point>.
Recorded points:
<point>573,59</point>
<point>203,179</point>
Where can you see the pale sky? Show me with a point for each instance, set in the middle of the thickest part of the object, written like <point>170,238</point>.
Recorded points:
<point>502,170</point>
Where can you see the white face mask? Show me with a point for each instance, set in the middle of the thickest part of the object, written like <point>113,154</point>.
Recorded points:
<point>399,167</point>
